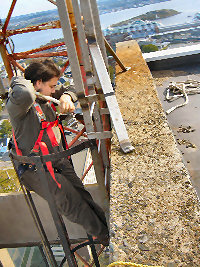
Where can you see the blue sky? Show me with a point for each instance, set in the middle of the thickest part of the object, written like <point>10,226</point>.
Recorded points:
<point>24,7</point>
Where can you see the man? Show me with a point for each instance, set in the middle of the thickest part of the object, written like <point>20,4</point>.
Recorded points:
<point>27,115</point>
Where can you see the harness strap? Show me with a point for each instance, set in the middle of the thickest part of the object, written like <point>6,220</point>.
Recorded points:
<point>19,153</point>
<point>39,112</point>
<point>36,146</point>
<point>45,125</point>
<point>53,106</point>
<point>63,134</point>
<point>45,151</point>
<point>48,126</point>
<point>51,134</point>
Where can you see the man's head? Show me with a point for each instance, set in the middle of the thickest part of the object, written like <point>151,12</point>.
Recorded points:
<point>44,75</point>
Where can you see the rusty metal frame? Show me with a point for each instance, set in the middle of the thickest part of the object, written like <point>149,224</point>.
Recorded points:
<point>10,59</point>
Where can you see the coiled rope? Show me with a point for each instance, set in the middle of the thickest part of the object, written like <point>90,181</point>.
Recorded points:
<point>129,264</point>
<point>176,90</point>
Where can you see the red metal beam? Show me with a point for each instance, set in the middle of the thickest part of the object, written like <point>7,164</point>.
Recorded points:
<point>87,170</point>
<point>4,55</point>
<point>65,66</point>
<point>8,17</point>
<point>16,64</point>
<point>77,137</point>
<point>52,1</point>
<point>50,54</point>
<point>40,49</point>
<point>44,26</point>
<point>73,131</point>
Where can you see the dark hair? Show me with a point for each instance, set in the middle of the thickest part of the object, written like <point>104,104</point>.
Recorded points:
<point>41,70</point>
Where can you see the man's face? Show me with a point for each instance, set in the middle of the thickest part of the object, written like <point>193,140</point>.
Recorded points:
<point>47,88</point>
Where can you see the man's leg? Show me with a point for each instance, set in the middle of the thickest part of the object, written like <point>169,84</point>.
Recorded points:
<point>71,204</point>
<point>68,201</point>
<point>69,173</point>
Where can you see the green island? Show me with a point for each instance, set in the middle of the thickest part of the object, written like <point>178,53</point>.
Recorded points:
<point>151,15</point>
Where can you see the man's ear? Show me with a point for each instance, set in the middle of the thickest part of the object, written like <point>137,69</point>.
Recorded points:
<point>38,85</point>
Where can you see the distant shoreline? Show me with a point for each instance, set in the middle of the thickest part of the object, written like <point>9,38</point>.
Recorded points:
<point>33,19</point>
<point>151,15</point>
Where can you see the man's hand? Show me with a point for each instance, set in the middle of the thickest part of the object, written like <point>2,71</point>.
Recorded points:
<point>66,104</point>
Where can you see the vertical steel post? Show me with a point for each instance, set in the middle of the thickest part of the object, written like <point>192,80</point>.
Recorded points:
<point>71,13</point>
<point>104,79</point>
<point>89,76</point>
<point>90,33</point>
<point>97,26</point>
<point>72,18</point>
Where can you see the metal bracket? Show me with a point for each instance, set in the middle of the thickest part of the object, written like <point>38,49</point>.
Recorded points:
<point>126,146</point>
<point>99,135</point>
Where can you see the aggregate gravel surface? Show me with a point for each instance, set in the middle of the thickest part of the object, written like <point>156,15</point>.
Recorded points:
<point>154,211</point>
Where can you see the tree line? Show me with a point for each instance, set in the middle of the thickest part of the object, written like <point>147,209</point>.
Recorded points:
<point>5,126</point>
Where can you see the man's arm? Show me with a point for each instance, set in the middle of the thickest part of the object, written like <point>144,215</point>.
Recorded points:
<point>69,90</point>
<point>67,97</point>
<point>66,104</point>
<point>21,97</point>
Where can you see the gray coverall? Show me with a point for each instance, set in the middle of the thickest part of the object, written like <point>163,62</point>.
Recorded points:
<point>72,200</point>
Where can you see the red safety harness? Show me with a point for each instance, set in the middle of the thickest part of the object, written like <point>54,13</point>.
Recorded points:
<point>39,144</point>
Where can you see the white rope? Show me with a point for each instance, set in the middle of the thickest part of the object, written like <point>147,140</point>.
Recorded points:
<point>92,108</point>
<point>48,98</point>
<point>181,89</point>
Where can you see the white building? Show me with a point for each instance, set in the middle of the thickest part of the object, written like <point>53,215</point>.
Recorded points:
<point>4,145</point>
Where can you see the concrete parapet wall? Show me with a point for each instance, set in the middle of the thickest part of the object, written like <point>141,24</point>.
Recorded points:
<point>154,208</point>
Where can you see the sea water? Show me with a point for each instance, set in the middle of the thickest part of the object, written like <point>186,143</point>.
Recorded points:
<point>188,9</point>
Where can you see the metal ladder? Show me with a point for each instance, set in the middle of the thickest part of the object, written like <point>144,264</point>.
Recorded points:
<point>69,251</point>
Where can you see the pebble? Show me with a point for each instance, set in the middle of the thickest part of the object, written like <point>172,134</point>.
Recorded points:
<point>143,238</point>
<point>130,185</point>
<point>126,244</point>
<point>151,222</point>
<point>112,233</point>
<point>130,228</point>
<point>143,247</point>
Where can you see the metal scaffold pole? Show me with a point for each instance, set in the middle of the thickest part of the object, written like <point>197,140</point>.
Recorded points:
<point>90,82</point>
<point>80,90</point>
